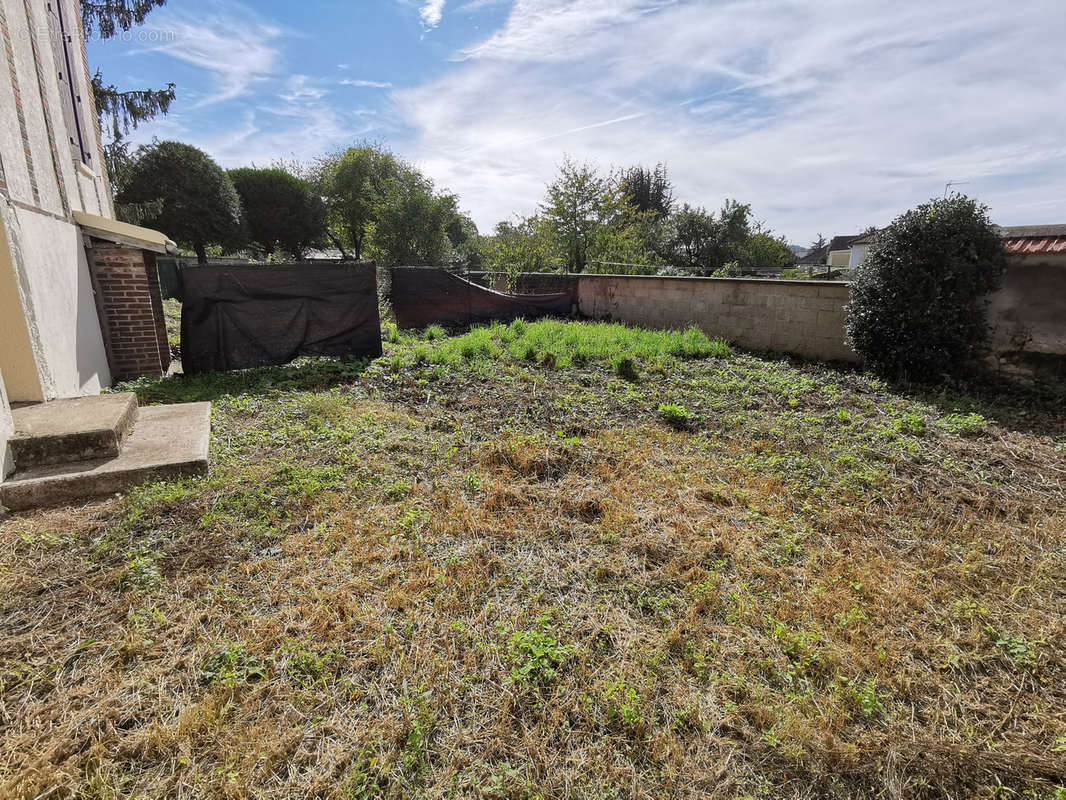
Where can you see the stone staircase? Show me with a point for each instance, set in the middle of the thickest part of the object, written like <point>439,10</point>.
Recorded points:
<point>84,447</point>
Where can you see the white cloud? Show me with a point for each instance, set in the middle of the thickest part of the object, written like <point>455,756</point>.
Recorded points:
<point>826,115</point>
<point>431,13</point>
<point>477,5</point>
<point>366,84</point>
<point>232,44</point>
<point>300,88</point>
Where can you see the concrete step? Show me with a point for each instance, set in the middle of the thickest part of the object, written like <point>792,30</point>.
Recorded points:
<point>77,429</point>
<point>168,442</point>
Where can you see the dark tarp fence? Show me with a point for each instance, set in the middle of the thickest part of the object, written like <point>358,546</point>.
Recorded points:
<point>235,317</point>
<point>423,296</point>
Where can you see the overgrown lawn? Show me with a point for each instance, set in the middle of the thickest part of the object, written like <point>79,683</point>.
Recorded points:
<point>553,560</point>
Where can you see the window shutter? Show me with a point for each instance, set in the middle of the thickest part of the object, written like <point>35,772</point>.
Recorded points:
<point>73,113</point>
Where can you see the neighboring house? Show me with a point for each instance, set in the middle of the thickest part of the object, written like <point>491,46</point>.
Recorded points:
<point>860,248</point>
<point>836,255</point>
<point>838,251</point>
<point>815,257</point>
<point>79,300</point>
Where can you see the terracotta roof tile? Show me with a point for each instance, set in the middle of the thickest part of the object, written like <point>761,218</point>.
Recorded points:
<point>1027,245</point>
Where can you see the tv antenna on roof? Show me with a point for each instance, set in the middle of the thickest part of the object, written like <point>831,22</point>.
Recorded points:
<point>949,184</point>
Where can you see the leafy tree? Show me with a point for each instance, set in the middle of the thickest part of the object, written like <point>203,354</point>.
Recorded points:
<point>527,245</point>
<point>410,223</point>
<point>765,251</point>
<point>198,205</point>
<point>701,243</point>
<point>577,204</point>
<point>692,240</point>
<point>649,191</point>
<point>627,244</point>
<point>280,211</point>
<point>353,183</point>
<point>916,308</point>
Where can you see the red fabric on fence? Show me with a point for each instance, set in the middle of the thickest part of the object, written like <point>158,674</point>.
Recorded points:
<point>234,317</point>
<point>423,296</point>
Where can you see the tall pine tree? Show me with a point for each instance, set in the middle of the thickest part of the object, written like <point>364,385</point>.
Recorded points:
<point>120,111</point>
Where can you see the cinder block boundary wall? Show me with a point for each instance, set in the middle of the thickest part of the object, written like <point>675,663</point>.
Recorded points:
<point>805,318</point>
<point>1027,315</point>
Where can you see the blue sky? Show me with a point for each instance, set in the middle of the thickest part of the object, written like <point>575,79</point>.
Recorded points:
<point>826,115</point>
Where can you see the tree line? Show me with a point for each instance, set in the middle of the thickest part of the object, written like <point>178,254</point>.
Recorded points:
<point>628,221</point>
<point>365,202</point>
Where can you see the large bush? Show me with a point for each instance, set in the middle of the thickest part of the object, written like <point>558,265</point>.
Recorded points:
<point>190,198</point>
<point>280,211</point>
<point>917,308</point>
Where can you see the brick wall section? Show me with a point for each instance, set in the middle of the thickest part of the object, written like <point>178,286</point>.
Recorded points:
<point>805,318</point>
<point>131,313</point>
<point>155,294</point>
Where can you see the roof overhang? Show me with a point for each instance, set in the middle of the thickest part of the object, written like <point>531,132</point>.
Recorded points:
<point>111,230</point>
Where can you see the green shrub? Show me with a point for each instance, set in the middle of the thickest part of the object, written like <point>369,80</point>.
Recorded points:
<point>916,310</point>
<point>910,423</point>
<point>233,666</point>
<point>536,655</point>
<point>627,368</point>
<point>676,416</point>
<point>963,424</point>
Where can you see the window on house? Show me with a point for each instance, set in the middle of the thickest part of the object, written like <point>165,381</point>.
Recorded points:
<point>65,59</point>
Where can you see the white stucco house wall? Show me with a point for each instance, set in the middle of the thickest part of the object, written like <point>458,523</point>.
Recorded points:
<point>860,249</point>
<point>53,343</point>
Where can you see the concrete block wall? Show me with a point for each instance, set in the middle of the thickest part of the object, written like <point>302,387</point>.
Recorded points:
<point>1027,319</point>
<point>805,318</point>
<point>131,312</point>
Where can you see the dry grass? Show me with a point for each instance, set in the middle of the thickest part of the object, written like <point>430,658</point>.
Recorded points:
<point>489,577</point>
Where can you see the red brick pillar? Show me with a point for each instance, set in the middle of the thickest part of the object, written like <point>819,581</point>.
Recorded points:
<point>131,310</point>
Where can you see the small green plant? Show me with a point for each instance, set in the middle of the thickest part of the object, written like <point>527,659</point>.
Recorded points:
<point>1017,648</point>
<point>365,780</point>
<point>719,348</point>
<point>141,574</point>
<point>963,424</point>
<point>233,666</point>
<point>865,697</point>
<point>626,368</point>
<point>472,483</point>
<point>536,655</point>
<point>397,490</point>
<point>434,332</point>
<point>624,704</point>
<point>307,667</point>
<point>676,416</point>
<point>909,423</point>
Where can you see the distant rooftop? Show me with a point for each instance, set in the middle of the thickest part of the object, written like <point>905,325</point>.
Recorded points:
<point>1031,231</point>
<point>1023,239</point>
